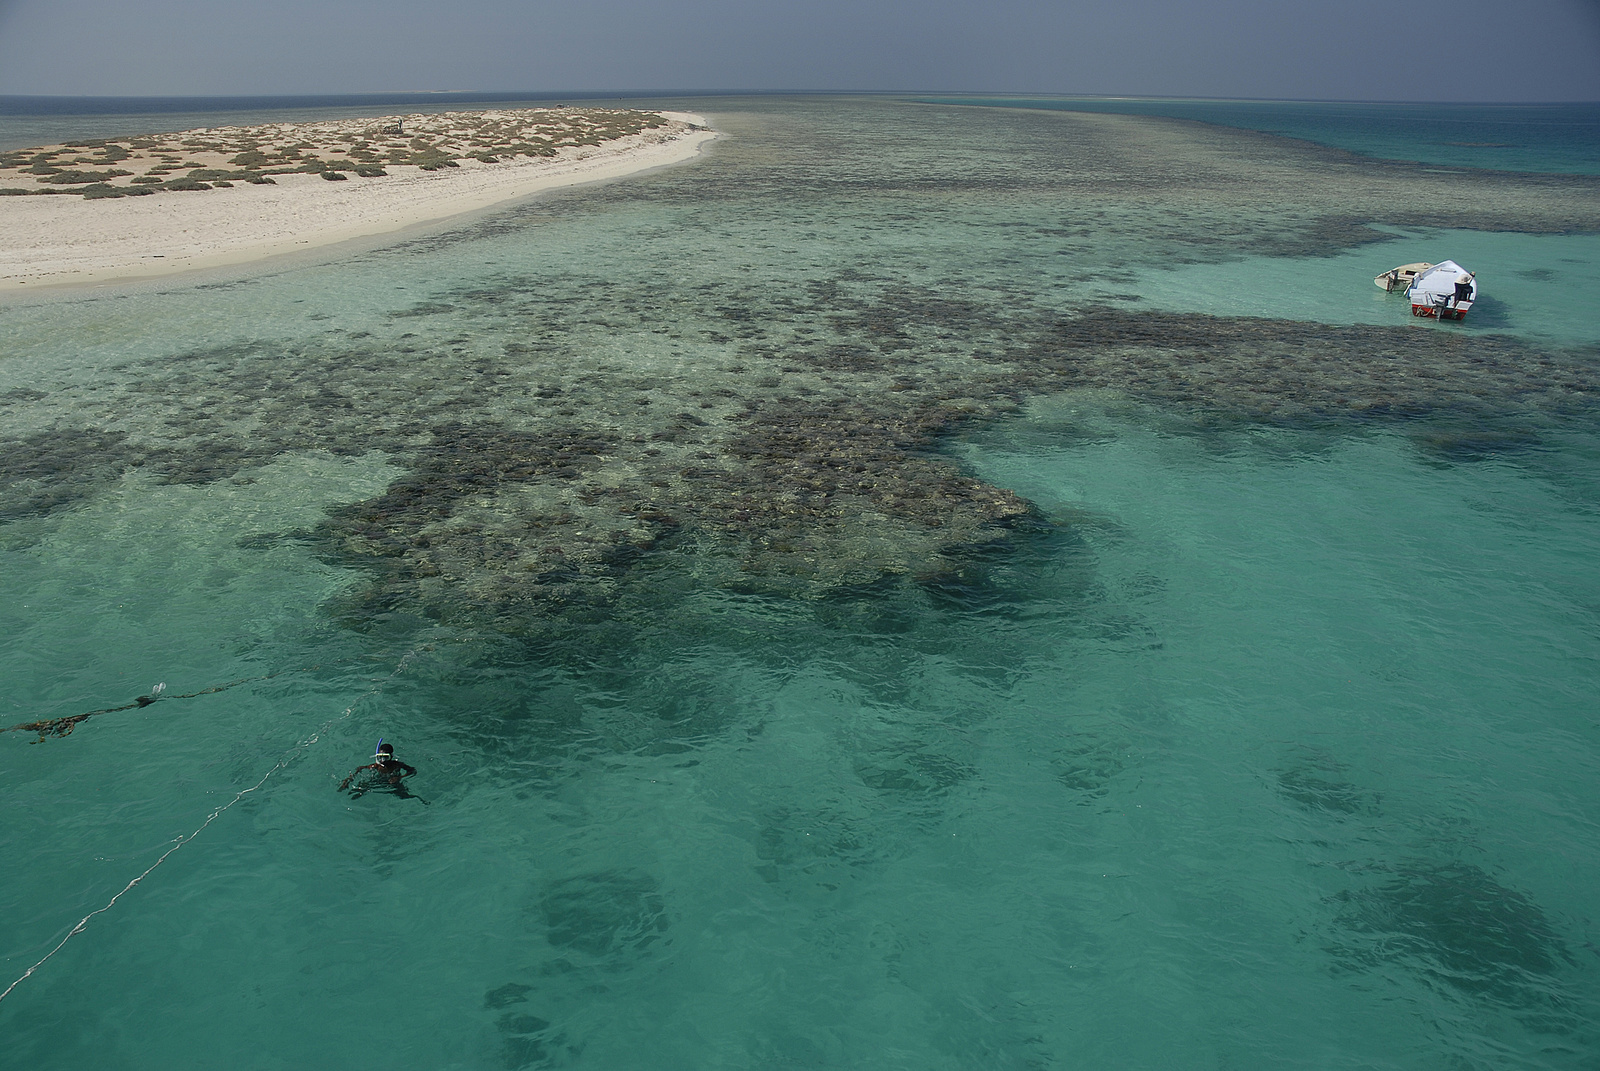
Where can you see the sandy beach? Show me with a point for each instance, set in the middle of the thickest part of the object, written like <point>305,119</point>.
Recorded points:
<point>50,241</point>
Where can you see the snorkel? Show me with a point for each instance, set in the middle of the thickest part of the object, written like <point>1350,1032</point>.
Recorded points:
<point>377,752</point>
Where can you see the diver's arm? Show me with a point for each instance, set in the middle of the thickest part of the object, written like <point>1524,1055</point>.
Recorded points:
<point>346,782</point>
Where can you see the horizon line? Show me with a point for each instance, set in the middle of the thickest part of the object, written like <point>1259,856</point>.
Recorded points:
<point>470,95</point>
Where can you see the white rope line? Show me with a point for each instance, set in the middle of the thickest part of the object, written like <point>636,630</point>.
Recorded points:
<point>287,758</point>
<point>181,841</point>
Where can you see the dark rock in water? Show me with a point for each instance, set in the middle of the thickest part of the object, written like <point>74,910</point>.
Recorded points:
<point>613,912</point>
<point>824,846</point>
<point>918,772</point>
<point>52,470</point>
<point>1286,372</point>
<point>1458,925</point>
<point>1089,762</point>
<point>507,995</point>
<point>528,1041</point>
<point>1311,790</point>
<point>1317,781</point>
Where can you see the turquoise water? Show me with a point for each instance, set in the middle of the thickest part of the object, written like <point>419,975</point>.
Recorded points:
<point>833,629</point>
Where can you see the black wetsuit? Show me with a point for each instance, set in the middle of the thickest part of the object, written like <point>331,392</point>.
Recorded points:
<point>385,774</point>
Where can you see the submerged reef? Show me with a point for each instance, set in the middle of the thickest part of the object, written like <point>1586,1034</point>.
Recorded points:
<point>1459,928</point>
<point>536,488</point>
<point>776,426</point>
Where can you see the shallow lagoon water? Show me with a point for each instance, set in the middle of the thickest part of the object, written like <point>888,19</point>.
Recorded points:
<point>1534,285</point>
<point>1263,734</point>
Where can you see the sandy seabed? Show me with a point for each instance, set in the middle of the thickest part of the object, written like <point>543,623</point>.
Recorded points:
<point>65,240</point>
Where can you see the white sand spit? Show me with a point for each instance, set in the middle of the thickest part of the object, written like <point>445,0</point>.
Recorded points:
<point>48,241</point>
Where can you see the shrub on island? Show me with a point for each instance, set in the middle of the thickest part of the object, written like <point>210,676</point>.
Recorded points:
<point>75,178</point>
<point>257,153</point>
<point>99,190</point>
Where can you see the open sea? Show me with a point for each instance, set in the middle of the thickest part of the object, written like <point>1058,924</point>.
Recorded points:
<point>926,585</point>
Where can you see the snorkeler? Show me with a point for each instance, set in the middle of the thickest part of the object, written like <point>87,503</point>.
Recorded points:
<point>387,772</point>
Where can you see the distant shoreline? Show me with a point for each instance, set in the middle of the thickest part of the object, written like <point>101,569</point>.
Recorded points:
<point>68,241</point>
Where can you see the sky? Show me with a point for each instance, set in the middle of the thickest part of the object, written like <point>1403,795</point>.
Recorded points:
<point>1463,50</point>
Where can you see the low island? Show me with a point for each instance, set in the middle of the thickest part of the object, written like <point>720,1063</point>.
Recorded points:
<point>114,208</point>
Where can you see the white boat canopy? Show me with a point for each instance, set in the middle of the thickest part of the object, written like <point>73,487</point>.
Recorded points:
<point>1438,283</point>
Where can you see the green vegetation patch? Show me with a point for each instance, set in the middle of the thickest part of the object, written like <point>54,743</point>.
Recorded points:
<point>101,190</point>
<point>75,178</point>
<point>203,159</point>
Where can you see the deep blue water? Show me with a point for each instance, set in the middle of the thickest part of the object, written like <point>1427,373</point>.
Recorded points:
<point>63,106</point>
<point>28,121</point>
<point>1555,138</point>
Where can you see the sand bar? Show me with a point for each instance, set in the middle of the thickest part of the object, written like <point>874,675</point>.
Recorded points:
<point>49,241</point>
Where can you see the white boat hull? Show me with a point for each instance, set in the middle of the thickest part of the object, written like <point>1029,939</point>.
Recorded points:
<point>1444,292</point>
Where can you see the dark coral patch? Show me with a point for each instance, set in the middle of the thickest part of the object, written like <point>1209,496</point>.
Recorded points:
<point>1457,925</point>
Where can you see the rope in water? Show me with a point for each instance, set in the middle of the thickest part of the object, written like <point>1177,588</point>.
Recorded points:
<point>64,726</point>
<point>288,757</point>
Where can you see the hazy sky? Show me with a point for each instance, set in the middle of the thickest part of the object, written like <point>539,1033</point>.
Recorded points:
<point>1495,50</point>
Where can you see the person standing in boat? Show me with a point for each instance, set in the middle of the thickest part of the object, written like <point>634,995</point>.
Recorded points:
<point>1463,288</point>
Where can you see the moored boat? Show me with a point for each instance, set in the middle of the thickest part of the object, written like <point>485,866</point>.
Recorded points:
<point>1445,291</point>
